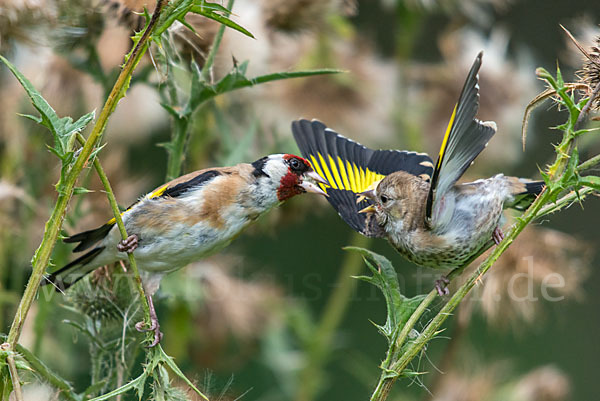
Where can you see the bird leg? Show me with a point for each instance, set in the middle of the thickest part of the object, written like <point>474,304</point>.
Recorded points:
<point>441,285</point>
<point>154,326</point>
<point>129,244</point>
<point>497,235</point>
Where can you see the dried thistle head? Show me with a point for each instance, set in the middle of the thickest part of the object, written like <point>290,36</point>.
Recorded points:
<point>590,73</point>
<point>104,295</point>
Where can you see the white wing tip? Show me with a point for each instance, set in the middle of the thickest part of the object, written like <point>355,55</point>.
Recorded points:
<point>490,124</point>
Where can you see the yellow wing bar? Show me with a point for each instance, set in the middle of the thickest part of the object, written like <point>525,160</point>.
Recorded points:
<point>445,141</point>
<point>157,192</point>
<point>344,175</point>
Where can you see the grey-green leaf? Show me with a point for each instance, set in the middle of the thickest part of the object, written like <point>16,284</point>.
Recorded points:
<point>209,10</point>
<point>399,307</point>
<point>62,128</point>
<point>235,79</point>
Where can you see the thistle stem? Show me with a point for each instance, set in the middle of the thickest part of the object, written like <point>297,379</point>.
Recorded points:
<point>41,369</point>
<point>53,225</point>
<point>590,162</point>
<point>14,377</point>
<point>119,221</point>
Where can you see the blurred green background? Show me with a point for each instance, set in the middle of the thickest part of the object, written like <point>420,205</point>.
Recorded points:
<point>250,321</point>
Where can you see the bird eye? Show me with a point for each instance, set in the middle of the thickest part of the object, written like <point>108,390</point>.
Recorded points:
<point>384,199</point>
<point>295,164</point>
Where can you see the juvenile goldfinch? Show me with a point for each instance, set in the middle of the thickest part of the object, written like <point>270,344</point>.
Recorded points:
<point>188,218</point>
<point>421,210</point>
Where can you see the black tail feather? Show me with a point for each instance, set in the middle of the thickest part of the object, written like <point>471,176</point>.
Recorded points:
<point>88,238</point>
<point>526,198</point>
<point>534,187</point>
<point>64,277</point>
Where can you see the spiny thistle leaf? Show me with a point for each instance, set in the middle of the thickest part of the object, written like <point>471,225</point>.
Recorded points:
<point>212,10</point>
<point>176,11</point>
<point>171,364</point>
<point>62,129</point>
<point>399,307</point>
<point>94,388</point>
<point>162,388</point>
<point>137,384</point>
<point>569,176</point>
<point>236,79</point>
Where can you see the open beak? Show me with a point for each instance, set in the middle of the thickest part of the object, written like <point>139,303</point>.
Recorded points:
<point>310,186</point>
<point>368,209</point>
<point>370,193</point>
<point>316,177</point>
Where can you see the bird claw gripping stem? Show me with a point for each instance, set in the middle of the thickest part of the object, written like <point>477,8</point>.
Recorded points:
<point>441,285</point>
<point>154,325</point>
<point>129,244</point>
<point>497,235</point>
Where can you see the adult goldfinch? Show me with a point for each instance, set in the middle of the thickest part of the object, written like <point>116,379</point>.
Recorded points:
<point>188,218</point>
<point>418,206</point>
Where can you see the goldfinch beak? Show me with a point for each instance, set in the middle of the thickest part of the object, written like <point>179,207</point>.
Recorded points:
<point>370,193</point>
<point>310,187</point>
<point>368,209</point>
<point>316,177</point>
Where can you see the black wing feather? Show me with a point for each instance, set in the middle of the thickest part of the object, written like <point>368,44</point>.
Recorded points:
<point>318,143</point>
<point>59,277</point>
<point>195,182</point>
<point>465,138</point>
<point>88,238</point>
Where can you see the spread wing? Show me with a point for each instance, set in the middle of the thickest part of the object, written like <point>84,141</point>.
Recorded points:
<point>465,138</point>
<point>352,168</point>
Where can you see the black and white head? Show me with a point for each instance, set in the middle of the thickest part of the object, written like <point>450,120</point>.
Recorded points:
<point>287,175</point>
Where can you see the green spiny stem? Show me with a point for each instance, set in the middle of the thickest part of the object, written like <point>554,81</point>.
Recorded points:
<point>395,349</point>
<point>412,321</point>
<point>42,255</point>
<point>42,370</point>
<point>586,165</point>
<point>565,201</point>
<point>177,146</point>
<point>14,377</point>
<point>117,213</point>
<point>421,309</point>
